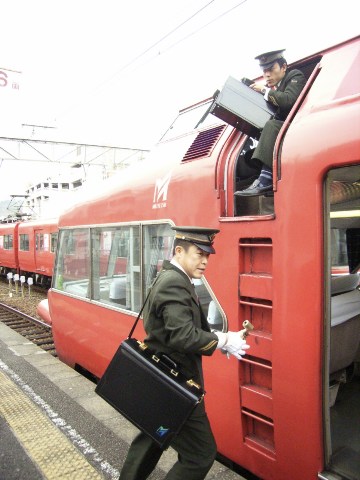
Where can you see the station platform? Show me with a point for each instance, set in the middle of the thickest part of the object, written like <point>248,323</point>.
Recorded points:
<point>54,426</point>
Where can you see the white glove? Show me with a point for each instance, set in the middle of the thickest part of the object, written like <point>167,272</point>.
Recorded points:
<point>233,343</point>
<point>236,345</point>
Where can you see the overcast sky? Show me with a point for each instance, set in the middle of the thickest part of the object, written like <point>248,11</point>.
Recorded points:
<point>117,72</point>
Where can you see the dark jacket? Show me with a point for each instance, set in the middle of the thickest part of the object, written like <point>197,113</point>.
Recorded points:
<point>286,95</point>
<point>175,323</point>
<point>284,98</point>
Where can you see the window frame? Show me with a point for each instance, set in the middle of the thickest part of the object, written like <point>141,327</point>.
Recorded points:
<point>24,242</point>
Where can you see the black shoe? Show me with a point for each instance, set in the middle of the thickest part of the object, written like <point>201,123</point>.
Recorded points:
<point>254,190</point>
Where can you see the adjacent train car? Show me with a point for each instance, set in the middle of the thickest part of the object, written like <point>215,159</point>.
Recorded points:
<point>290,408</point>
<point>9,248</point>
<point>28,249</point>
<point>37,246</point>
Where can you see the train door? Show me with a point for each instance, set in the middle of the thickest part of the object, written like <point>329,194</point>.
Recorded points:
<point>341,381</point>
<point>41,246</point>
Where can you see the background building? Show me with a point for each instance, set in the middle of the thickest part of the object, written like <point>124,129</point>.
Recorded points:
<point>64,171</point>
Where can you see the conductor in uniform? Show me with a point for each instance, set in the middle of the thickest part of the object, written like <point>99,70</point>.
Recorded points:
<point>176,325</point>
<point>282,89</point>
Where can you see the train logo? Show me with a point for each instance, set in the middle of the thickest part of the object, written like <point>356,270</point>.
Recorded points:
<point>161,191</point>
<point>161,431</point>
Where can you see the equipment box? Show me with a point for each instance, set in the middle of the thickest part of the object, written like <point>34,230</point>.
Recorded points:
<point>242,107</point>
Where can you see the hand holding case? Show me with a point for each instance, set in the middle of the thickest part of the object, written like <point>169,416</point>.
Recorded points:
<point>242,107</point>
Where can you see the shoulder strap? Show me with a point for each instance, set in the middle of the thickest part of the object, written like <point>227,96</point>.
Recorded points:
<point>142,308</point>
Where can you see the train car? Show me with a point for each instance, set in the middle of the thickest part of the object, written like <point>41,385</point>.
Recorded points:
<point>36,249</point>
<point>9,248</point>
<point>290,408</point>
<point>28,249</point>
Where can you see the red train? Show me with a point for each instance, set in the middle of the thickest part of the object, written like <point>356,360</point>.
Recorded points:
<point>290,408</point>
<point>28,248</point>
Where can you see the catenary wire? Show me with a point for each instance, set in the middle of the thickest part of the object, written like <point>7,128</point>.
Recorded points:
<point>131,62</point>
<point>137,57</point>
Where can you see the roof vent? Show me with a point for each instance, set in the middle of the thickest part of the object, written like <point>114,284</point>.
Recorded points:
<point>204,143</point>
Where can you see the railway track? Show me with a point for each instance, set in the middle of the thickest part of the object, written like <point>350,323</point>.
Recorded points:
<point>29,327</point>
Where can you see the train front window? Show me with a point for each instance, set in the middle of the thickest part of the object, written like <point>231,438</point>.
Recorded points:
<point>191,118</point>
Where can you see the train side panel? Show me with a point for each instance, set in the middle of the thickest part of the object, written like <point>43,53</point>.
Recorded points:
<point>36,252</point>
<point>9,247</point>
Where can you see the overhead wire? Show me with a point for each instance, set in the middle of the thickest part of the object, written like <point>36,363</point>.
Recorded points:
<point>158,41</point>
<point>144,52</point>
<point>137,57</point>
<point>203,26</point>
<point>192,33</point>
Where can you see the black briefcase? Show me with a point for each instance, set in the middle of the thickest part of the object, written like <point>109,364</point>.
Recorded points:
<point>149,391</point>
<point>242,107</point>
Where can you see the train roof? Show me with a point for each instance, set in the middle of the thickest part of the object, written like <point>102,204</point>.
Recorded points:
<point>39,223</point>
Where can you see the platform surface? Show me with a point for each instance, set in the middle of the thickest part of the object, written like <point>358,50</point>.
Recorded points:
<point>54,426</point>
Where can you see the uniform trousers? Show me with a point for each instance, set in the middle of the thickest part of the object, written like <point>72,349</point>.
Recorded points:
<point>195,445</point>
<point>265,148</point>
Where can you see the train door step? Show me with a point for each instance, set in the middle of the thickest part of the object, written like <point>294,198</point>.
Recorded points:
<point>260,205</point>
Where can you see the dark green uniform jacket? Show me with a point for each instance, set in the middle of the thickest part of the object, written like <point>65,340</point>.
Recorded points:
<point>287,93</point>
<point>284,98</point>
<point>175,324</point>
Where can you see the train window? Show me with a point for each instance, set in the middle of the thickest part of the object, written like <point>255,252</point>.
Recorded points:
<point>116,266</point>
<point>157,246</point>
<point>106,265</point>
<point>342,320</point>
<point>24,242</point>
<point>42,242</point>
<point>215,316</point>
<point>72,268</point>
<point>39,241</point>
<point>8,242</point>
<point>339,258</point>
<point>53,242</point>
<point>189,119</point>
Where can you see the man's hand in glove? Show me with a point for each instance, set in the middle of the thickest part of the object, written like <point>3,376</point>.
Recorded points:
<point>233,343</point>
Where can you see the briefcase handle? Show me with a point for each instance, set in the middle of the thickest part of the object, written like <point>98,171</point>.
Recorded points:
<point>167,361</point>
<point>162,358</point>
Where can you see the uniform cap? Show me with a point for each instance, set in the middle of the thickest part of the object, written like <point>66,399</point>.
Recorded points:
<point>202,237</point>
<point>267,60</point>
